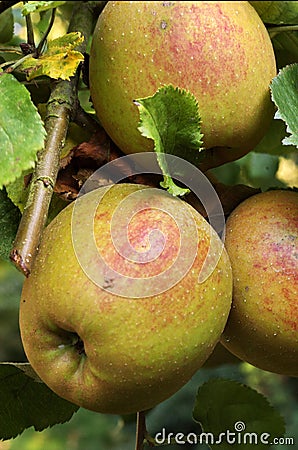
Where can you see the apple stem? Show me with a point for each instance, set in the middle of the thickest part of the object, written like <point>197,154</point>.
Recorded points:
<point>141,430</point>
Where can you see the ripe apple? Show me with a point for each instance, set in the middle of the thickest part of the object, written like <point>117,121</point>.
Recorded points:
<point>219,51</point>
<point>116,353</point>
<point>262,242</point>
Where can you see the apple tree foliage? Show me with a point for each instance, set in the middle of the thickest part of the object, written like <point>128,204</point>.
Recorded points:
<point>43,95</point>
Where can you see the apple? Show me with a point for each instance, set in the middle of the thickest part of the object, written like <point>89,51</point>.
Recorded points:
<point>219,51</point>
<point>111,344</point>
<point>262,242</point>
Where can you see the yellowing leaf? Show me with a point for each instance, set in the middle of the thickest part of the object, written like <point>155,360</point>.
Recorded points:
<point>61,65</point>
<point>68,41</point>
<point>60,60</point>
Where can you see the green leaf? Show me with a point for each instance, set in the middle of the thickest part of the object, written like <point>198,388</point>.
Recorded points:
<point>58,61</point>
<point>285,48</point>
<point>9,221</point>
<point>171,118</point>
<point>259,170</point>
<point>25,402</point>
<point>6,26</point>
<point>226,406</point>
<point>286,41</point>
<point>22,132</point>
<point>284,92</point>
<point>277,12</point>
<point>11,281</point>
<point>31,7</point>
<point>272,141</point>
<point>68,41</point>
<point>18,192</point>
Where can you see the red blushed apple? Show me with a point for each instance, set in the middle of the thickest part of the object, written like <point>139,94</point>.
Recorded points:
<point>219,51</point>
<point>116,353</point>
<point>262,242</point>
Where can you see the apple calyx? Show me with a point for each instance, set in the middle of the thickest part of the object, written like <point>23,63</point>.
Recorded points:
<point>79,345</point>
<point>76,342</point>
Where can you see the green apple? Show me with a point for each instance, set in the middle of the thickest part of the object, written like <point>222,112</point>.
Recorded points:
<point>219,51</point>
<point>111,344</point>
<point>262,242</point>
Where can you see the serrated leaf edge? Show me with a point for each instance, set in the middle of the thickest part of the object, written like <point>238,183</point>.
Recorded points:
<point>279,115</point>
<point>238,383</point>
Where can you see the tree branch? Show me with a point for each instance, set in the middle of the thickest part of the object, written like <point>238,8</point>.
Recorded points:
<point>60,109</point>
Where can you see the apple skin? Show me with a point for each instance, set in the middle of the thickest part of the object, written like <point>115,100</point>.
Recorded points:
<point>262,242</point>
<point>219,51</point>
<point>133,352</point>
